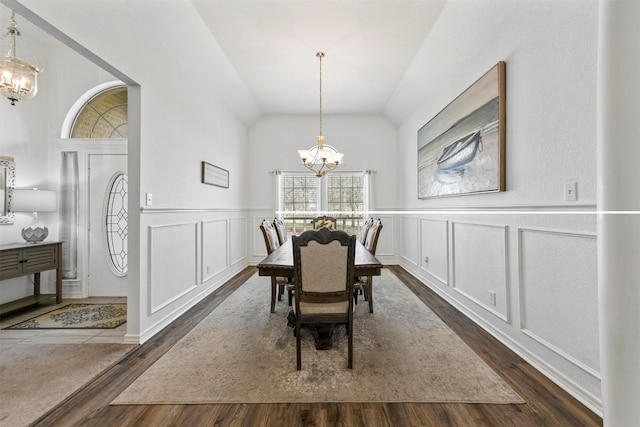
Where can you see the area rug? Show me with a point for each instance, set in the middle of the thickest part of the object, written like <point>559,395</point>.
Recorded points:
<point>78,316</point>
<point>242,353</point>
<point>54,372</point>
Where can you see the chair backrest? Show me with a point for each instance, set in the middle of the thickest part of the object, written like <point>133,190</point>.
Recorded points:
<point>270,236</point>
<point>324,221</point>
<point>323,262</point>
<point>365,230</point>
<point>372,236</point>
<point>280,229</point>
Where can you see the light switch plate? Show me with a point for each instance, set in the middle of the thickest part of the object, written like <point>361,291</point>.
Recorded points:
<point>571,191</point>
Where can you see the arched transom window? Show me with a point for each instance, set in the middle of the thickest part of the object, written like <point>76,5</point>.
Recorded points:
<point>103,116</point>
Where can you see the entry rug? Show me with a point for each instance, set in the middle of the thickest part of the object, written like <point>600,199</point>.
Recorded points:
<point>78,316</point>
<point>242,353</point>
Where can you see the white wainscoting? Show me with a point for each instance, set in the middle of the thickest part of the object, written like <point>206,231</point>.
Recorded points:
<point>480,265</point>
<point>173,266</point>
<point>237,240</point>
<point>215,238</point>
<point>182,243</point>
<point>434,248</point>
<point>541,264</point>
<point>559,293</point>
<point>409,242</point>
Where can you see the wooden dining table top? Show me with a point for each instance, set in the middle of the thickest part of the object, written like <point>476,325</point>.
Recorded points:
<point>280,262</point>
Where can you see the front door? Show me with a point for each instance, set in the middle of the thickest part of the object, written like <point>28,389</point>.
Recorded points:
<point>108,220</point>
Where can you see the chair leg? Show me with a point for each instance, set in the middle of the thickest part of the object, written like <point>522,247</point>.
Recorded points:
<point>280,292</point>
<point>273,294</point>
<point>298,350</point>
<point>370,293</point>
<point>350,345</point>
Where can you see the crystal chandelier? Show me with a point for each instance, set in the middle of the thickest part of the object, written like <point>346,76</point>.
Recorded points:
<point>320,159</point>
<point>18,78</point>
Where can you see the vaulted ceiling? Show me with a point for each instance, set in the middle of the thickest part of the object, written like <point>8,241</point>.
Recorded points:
<point>369,46</point>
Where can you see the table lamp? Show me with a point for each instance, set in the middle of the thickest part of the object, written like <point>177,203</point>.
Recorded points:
<point>34,201</point>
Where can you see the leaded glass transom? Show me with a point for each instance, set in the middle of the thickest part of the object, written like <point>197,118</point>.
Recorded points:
<point>117,223</point>
<point>104,116</point>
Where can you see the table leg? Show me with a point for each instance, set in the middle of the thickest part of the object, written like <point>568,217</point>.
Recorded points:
<point>273,294</point>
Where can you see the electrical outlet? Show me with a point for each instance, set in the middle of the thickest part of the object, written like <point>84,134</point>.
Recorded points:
<point>571,191</point>
<point>149,199</point>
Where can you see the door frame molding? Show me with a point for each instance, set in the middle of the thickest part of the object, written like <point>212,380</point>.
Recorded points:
<point>79,287</point>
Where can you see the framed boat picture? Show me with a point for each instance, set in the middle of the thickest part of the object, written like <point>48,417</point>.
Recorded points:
<point>462,149</point>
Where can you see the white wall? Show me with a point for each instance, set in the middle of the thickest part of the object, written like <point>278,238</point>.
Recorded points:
<point>369,142</point>
<point>25,135</point>
<point>176,121</point>
<point>534,251</point>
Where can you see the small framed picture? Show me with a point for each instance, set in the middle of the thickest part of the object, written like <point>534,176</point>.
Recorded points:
<point>214,175</point>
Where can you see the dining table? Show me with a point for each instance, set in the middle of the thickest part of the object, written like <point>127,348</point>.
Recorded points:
<point>280,263</point>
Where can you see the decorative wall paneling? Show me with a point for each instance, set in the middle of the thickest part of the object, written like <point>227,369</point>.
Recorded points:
<point>173,263</point>
<point>541,263</point>
<point>558,274</point>
<point>409,240</point>
<point>434,249</point>
<point>237,240</point>
<point>479,261</point>
<point>215,248</point>
<point>191,253</point>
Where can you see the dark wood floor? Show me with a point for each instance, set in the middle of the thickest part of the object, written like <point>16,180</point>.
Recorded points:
<point>546,404</point>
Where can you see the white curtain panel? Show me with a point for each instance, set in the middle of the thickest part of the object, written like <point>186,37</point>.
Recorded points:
<point>370,193</point>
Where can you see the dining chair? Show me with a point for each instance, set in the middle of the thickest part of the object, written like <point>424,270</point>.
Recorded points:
<point>324,221</point>
<point>365,283</point>
<point>280,229</point>
<point>272,242</point>
<point>365,229</point>
<point>323,262</point>
<point>282,237</point>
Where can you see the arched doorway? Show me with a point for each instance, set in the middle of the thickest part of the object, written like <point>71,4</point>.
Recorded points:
<point>96,128</point>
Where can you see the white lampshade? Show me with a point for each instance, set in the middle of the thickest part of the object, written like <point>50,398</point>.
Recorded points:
<point>33,201</point>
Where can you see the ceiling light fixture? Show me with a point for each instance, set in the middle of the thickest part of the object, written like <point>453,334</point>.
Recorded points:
<point>18,78</point>
<point>320,158</point>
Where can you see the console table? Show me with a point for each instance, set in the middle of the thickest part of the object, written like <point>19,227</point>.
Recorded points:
<point>21,259</point>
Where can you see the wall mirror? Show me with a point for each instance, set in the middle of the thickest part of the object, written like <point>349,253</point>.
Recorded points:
<point>7,181</point>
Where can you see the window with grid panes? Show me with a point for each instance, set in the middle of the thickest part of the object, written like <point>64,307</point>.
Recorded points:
<point>300,196</point>
<point>302,200</point>
<point>345,194</point>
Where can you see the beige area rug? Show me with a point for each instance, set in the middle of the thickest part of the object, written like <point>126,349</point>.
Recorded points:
<point>78,316</point>
<point>34,378</point>
<point>242,353</point>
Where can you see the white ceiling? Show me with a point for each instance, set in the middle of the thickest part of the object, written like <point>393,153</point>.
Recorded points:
<point>368,45</point>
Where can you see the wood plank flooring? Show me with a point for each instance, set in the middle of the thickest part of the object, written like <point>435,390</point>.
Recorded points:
<point>546,404</point>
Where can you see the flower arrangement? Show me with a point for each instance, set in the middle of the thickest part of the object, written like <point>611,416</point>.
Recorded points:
<point>324,223</point>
